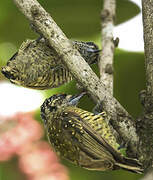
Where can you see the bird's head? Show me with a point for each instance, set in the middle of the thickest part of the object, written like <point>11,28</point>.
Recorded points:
<point>58,101</point>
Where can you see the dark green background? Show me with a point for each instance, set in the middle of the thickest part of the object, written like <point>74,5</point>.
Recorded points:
<point>79,19</point>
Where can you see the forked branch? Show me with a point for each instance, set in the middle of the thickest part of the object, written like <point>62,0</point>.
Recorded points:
<point>45,25</point>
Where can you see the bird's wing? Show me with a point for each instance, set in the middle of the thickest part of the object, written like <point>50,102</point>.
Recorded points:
<point>94,150</point>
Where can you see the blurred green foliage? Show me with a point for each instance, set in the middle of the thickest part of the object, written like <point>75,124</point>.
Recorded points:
<point>10,170</point>
<point>129,79</point>
<point>79,19</point>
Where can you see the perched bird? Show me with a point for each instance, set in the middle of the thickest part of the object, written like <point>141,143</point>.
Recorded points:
<point>37,65</point>
<point>82,137</point>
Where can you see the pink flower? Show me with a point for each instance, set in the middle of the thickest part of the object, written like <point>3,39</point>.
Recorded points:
<point>16,131</point>
<point>20,135</point>
<point>41,163</point>
<point>39,158</point>
<point>6,150</point>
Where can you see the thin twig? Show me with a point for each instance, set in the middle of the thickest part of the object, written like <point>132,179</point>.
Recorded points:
<point>79,68</point>
<point>106,58</point>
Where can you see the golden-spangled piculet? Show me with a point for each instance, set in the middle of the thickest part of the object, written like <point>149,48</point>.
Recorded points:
<point>37,65</point>
<point>82,137</point>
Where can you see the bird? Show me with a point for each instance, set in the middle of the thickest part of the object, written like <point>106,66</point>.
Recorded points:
<point>37,65</point>
<point>83,138</point>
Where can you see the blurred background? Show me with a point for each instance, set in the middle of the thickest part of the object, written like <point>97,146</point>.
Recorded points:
<point>20,122</point>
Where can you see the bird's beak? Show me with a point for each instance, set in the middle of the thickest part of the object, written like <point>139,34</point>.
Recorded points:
<point>73,101</point>
<point>94,50</point>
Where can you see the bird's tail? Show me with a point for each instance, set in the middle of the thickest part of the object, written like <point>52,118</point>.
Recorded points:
<point>131,165</point>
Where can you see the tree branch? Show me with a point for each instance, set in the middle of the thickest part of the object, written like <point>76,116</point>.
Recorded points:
<point>145,122</point>
<point>148,176</point>
<point>44,24</point>
<point>106,58</point>
<point>147,10</point>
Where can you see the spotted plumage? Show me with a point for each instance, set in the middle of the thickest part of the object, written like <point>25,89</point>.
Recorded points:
<point>82,137</point>
<point>37,65</point>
